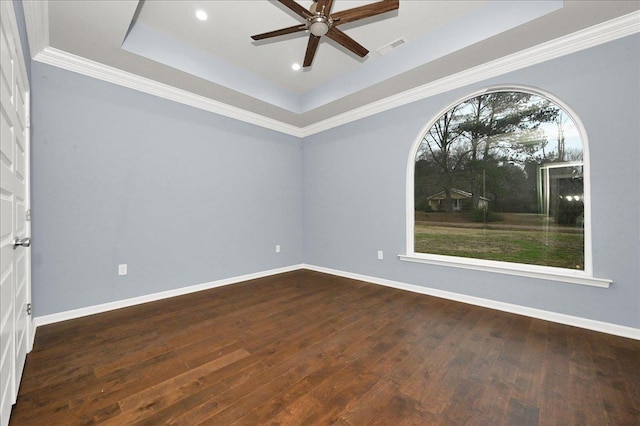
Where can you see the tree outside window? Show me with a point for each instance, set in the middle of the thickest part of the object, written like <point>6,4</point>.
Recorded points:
<point>500,177</point>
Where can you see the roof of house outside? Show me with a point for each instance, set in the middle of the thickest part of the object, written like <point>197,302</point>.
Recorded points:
<point>459,192</point>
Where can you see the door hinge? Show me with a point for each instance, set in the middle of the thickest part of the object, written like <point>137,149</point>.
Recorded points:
<point>28,215</point>
<point>28,308</point>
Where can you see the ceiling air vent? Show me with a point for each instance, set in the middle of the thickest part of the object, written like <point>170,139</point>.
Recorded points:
<point>390,46</point>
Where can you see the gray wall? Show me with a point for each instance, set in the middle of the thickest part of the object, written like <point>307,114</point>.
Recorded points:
<point>354,189</point>
<point>186,197</point>
<point>182,196</point>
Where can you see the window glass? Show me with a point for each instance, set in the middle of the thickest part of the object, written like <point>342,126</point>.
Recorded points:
<point>500,177</point>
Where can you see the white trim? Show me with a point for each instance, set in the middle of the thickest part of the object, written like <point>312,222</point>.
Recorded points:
<point>105,307</point>
<point>604,327</point>
<point>32,332</point>
<point>36,13</point>
<point>617,330</point>
<point>71,62</point>
<point>36,16</point>
<point>30,325</point>
<point>584,277</point>
<point>520,270</point>
<point>593,36</point>
<point>13,23</point>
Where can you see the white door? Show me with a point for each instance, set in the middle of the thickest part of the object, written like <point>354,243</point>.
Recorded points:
<point>15,263</point>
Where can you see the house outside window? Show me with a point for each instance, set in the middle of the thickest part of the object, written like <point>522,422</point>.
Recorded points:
<point>499,179</point>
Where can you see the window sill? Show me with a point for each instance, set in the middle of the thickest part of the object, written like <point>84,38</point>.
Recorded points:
<point>529,271</point>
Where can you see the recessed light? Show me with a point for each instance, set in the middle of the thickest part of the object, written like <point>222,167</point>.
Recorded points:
<point>295,67</point>
<point>201,15</point>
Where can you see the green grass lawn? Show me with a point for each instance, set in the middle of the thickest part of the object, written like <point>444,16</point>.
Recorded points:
<point>535,247</point>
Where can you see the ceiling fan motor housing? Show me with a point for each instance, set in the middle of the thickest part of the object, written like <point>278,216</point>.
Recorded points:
<point>319,25</point>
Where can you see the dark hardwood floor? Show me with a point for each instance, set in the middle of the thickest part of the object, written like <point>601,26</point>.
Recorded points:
<point>307,348</point>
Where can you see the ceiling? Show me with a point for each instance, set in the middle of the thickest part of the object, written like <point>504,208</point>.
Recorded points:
<point>226,34</point>
<point>163,42</point>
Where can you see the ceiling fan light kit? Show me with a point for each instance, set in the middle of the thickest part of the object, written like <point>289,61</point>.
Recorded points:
<point>320,22</point>
<point>319,26</point>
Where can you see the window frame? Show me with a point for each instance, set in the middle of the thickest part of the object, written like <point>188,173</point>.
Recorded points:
<point>584,277</point>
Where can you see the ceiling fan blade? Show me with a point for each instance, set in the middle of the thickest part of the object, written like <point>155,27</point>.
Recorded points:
<point>346,41</point>
<point>365,11</point>
<point>312,46</point>
<point>276,33</point>
<point>291,4</point>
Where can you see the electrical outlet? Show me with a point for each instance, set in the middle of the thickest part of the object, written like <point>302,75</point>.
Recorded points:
<point>277,248</point>
<point>122,269</point>
<point>380,255</point>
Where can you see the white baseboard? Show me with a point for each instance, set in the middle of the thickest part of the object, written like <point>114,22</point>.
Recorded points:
<point>604,327</point>
<point>32,334</point>
<point>104,307</point>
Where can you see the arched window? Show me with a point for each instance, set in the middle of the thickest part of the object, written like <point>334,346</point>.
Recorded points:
<point>499,181</point>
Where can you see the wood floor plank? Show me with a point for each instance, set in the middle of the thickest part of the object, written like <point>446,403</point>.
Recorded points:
<point>384,404</point>
<point>387,347</point>
<point>171,391</point>
<point>555,405</point>
<point>272,351</point>
<point>88,398</point>
<point>309,348</point>
<point>616,400</point>
<point>582,376</point>
<point>528,381</point>
<point>289,358</point>
<point>521,414</point>
<point>434,381</point>
<point>629,365</point>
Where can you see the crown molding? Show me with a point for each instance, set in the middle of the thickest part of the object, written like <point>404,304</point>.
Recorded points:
<point>36,13</point>
<point>80,65</point>
<point>590,37</point>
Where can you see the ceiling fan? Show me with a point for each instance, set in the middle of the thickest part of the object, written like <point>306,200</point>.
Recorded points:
<point>319,22</point>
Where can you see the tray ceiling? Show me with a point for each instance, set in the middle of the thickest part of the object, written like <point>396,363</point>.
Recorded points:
<point>163,42</point>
